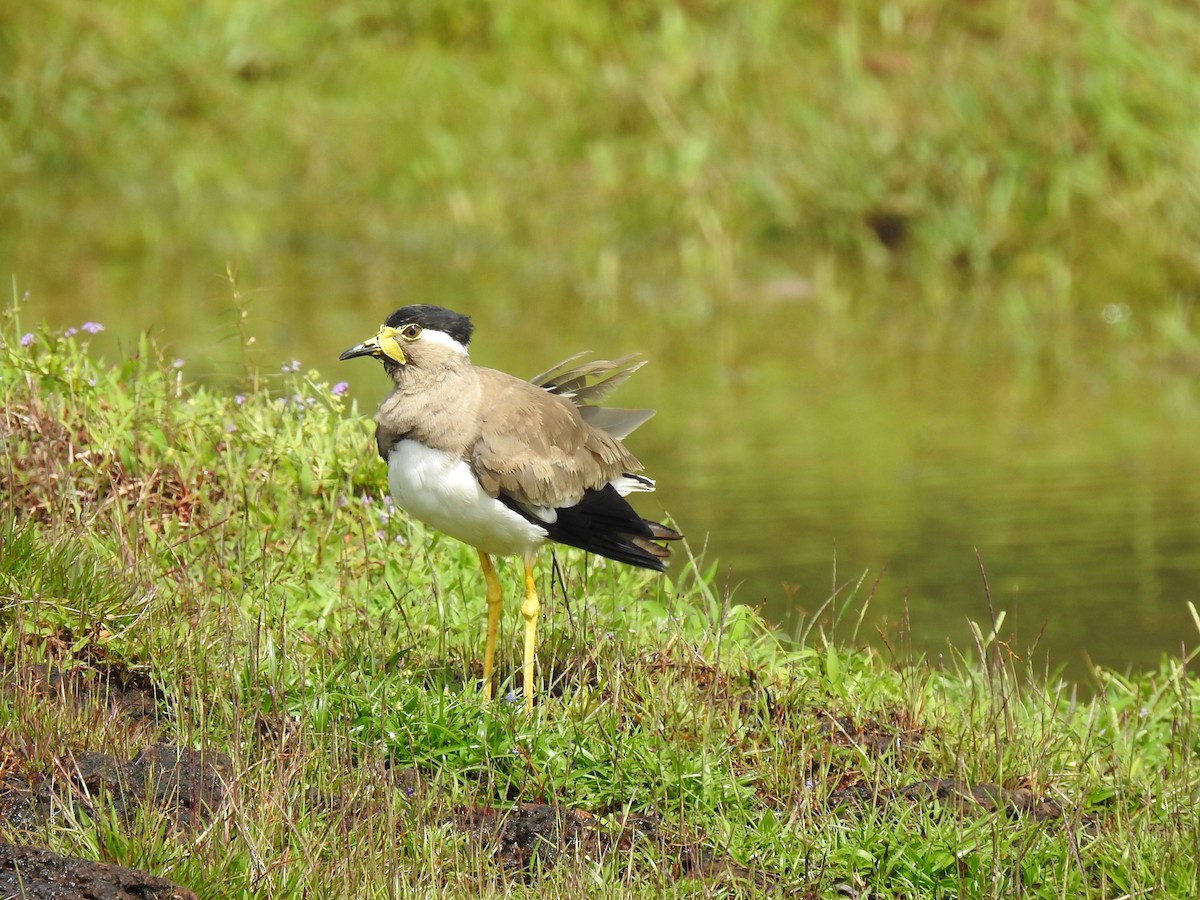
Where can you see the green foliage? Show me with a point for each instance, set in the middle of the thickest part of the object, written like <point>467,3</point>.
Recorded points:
<point>57,588</point>
<point>235,550</point>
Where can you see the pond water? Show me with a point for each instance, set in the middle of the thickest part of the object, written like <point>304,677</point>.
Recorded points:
<point>805,465</point>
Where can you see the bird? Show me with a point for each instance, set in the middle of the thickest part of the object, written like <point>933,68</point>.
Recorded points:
<point>507,465</point>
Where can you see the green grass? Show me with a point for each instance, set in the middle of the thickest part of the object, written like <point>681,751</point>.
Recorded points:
<point>234,551</point>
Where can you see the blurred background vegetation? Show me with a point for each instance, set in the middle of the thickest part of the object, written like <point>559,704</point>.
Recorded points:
<point>842,230</point>
<point>998,168</point>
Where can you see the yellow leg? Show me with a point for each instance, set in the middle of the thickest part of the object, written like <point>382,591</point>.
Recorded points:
<point>529,609</point>
<point>495,599</point>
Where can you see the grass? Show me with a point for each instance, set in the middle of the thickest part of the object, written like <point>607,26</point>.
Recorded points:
<point>231,554</point>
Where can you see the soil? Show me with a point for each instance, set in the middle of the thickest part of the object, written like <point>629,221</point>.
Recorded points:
<point>129,694</point>
<point>964,797</point>
<point>34,874</point>
<point>522,841</point>
<point>535,835</point>
<point>186,784</point>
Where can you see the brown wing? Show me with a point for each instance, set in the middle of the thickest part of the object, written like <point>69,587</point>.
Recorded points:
<point>535,446</point>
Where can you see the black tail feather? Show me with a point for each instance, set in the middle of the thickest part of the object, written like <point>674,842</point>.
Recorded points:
<point>604,523</point>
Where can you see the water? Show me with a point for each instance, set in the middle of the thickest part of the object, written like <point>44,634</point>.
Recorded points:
<point>1078,502</point>
<point>880,476</point>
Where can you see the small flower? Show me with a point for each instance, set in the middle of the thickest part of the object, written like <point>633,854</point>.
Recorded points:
<point>178,364</point>
<point>92,327</point>
<point>71,332</point>
<point>27,339</point>
<point>293,366</point>
<point>511,697</point>
<point>230,428</point>
<point>239,399</point>
<point>340,388</point>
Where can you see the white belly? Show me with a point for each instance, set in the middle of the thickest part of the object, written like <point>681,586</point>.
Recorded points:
<point>442,492</point>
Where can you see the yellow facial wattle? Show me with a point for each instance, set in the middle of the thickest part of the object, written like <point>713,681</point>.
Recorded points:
<point>388,345</point>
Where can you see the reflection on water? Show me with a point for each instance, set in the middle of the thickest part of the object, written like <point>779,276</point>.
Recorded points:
<point>805,462</point>
<point>1086,520</point>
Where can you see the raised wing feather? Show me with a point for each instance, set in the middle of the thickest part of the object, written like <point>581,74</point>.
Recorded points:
<point>587,383</point>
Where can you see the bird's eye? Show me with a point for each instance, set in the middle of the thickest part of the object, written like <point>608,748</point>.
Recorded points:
<point>411,331</point>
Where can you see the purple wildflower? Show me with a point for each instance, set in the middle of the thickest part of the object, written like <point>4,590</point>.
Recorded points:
<point>27,339</point>
<point>293,366</point>
<point>92,327</point>
<point>340,388</point>
<point>239,399</point>
<point>71,332</point>
<point>178,364</point>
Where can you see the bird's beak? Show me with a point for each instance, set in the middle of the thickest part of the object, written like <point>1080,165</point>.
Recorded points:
<point>383,344</point>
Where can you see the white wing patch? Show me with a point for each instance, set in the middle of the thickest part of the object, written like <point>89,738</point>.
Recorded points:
<point>632,484</point>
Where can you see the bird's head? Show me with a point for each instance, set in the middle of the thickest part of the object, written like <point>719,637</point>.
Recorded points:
<point>413,334</point>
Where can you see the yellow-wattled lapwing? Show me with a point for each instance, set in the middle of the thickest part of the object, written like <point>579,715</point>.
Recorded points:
<point>506,465</point>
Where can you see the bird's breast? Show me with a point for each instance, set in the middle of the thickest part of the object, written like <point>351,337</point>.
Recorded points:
<point>440,490</point>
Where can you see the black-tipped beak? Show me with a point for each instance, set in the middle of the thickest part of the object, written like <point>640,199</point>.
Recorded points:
<point>366,348</point>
